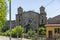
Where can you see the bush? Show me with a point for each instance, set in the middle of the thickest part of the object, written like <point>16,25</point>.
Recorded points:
<point>31,32</point>
<point>42,30</point>
<point>1,33</point>
<point>14,31</point>
<point>5,28</point>
<point>6,33</point>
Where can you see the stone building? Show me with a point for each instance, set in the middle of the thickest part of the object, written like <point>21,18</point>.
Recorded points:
<point>30,19</point>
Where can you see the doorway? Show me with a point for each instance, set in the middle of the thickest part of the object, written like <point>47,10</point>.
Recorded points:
<point>50,34</point>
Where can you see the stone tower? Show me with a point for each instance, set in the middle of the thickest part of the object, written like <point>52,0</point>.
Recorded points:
<point>19,16</point>
<point>43,18</point>
<point>20,10</point>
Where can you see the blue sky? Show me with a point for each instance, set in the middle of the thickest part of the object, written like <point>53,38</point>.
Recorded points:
<point>52,7</point>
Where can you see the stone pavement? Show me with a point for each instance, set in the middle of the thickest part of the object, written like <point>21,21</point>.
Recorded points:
<point>7,38</point>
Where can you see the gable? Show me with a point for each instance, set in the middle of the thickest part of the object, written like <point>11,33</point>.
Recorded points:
<point>30,14</point>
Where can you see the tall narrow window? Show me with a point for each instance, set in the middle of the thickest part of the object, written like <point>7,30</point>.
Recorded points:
<point>56,30</point>
<point>42,21</point>
<point>19,21</point>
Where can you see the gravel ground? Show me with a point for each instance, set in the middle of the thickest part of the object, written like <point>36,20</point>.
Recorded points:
<point>7,38</point>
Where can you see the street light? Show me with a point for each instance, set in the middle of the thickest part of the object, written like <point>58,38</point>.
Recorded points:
<point>10,17</point>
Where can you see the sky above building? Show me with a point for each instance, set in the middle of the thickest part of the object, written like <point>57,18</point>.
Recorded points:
<point>52,7</point>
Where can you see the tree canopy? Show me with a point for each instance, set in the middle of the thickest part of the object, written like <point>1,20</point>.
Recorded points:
<point>2,13</point>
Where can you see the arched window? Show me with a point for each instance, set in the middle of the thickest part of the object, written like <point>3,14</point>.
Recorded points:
<point>30,21</point>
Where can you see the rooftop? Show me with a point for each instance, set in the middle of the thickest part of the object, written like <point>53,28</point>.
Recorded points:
<point>50,25</point>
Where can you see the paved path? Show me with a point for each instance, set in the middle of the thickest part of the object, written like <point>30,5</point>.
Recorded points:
<point>7,38</point>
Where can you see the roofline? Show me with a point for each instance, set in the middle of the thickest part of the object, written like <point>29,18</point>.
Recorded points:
<point>52,25</point>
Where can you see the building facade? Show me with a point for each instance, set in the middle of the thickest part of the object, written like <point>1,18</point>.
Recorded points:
<point>52,30</point>
<point>31,19</point>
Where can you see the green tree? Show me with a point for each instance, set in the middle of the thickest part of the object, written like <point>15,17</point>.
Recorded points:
<point>41,30</point>
<point>31,32</point>
<point>9,0</point>
<point>2,13</point>
<point>20,31</point>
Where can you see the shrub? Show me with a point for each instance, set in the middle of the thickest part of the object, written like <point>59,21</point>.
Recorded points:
<point>6,33</point>
<point>31,32</point>
<point>1,33</point>
<point>14,31</point>
<point>42,30</point>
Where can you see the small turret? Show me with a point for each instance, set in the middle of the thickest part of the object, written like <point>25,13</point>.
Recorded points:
<point>43,18</point>
<point>42,10</point>
<point>20,10</point>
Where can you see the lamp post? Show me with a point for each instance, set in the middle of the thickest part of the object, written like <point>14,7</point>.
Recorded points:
<point>10,17</point>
